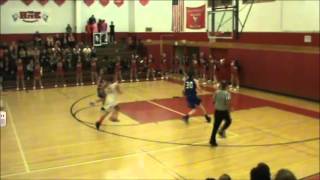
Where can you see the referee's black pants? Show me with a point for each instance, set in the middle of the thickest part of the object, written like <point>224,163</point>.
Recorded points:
<point>219,116</point>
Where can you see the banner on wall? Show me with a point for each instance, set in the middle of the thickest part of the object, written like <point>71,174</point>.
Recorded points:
<point>30,16</point>
<point>196,17</point>
<point>27,2</point>
<point>104,2</point>
<point>59,2</point>
<point>144,2</point>
<point>118,2</point>
<point>43,2</point>
<point>2,2</point>
<point>88,2</point>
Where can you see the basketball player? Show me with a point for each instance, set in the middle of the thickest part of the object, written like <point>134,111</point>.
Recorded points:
<point>133,67</point>
<point>111,107</point>
<point>222,104</point>
<point>79,75</point>
<point>190,91</point>
<point>234,65</point>
<point>101,85</point>
<point>37,75</point>
<point>117,70</point>
<point>20,75</point>
<point>94,74</point>
<point>150,67</point>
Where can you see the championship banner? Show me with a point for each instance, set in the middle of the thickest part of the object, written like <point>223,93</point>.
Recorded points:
<point>104,2</point>
<point>27,2</point>
<point>118,2</point>
<point>59,2</point>
<point>196,17</point>
<point>43,2</point>
<point>2,2</point>
<point>144,2</point>
<point>88,2</point>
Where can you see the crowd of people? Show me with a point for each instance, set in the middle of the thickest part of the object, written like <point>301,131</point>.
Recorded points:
<point>262,172</point>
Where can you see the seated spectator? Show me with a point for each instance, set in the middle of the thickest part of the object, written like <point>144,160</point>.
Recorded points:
<point>50,42</point>
<point>261,172</point>
<point>285,174</point>
<point>224,177</point>
<point>68,29</point>
<point>37,39</point>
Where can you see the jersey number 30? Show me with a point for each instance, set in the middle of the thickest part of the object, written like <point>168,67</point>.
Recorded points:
<point>189,85</point>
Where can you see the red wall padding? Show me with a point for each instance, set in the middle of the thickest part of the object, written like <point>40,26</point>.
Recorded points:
<point>289,73</point>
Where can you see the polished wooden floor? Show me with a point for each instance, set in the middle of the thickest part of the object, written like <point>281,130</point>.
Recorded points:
<point>43,140</point>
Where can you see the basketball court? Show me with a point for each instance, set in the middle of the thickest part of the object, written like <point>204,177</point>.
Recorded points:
<point>151,141</point>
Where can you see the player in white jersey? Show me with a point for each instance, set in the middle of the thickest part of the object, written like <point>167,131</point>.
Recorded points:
<point>111,106</point>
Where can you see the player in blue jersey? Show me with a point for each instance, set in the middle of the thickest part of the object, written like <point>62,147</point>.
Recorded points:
<point>191,86</point>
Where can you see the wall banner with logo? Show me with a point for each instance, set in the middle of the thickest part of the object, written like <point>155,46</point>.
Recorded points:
<point>196,17</point>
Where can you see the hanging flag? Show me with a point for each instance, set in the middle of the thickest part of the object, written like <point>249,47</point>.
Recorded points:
<point>88,2</point>
<point>104,2</point>
<point>2,2</point>
<point>118,2</point>
<point>144,2</point>
<point>27,2</point>
<point>177,15</point>
<point>196,17</point>
<point>43,2</point>
<point>59,2</point>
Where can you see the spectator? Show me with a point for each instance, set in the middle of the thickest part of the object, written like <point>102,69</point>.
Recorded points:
<point>37,39</point>
<point>50,42</point>
<point>261,172</point>
<point>71,40</point>
<point>285,174</point>
<point>68,29</point>
<point>224,177</point>
<point>30,69</point>
<point>112,33</point>
<point>92,20</point>
<point>103,27</point>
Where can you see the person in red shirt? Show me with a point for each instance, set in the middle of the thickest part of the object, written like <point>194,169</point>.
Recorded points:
<point>203,67</point>
<point>60,71</point>
<point>79,74</point>
<point>20,74</point>
<point>212,69</point>
<point>195,65</point>
<point>234,69</point>
<point>117,70</point>
<point>150,67</point>
<point>37,75</point>
<point>133,67</point>
<point>94,73</point>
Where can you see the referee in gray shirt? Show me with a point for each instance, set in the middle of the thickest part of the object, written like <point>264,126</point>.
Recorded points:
<point>222,104</point>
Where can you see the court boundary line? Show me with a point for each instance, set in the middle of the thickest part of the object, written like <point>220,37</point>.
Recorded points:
<point>24,160</point>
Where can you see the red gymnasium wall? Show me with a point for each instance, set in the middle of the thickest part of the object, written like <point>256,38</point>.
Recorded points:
<point>295,74</point>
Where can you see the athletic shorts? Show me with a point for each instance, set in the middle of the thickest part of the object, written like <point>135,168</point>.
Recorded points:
<point>193,101</point>
<point>101,94</point>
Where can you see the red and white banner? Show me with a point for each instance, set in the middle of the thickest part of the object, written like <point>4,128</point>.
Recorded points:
<point>144,2</point>
<point>88,2</point>
<point>118,2</point>
<point>2,2</point>
<point>196,17</point>
<point>59,2</point>
<point>43,2</point>
<point>27,2</point>
<point>104,2</point>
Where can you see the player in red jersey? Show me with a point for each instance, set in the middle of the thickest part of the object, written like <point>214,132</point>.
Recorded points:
<point>117,70</point>
<point>133,67</point>
<point>79,74</point>
<point>150,67</point>
<point>20,74</point>
<point>37,74</point>
<point>234,69</point>
<point>94,73</point>
<point>164,66</point>
<point>60,71</point>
